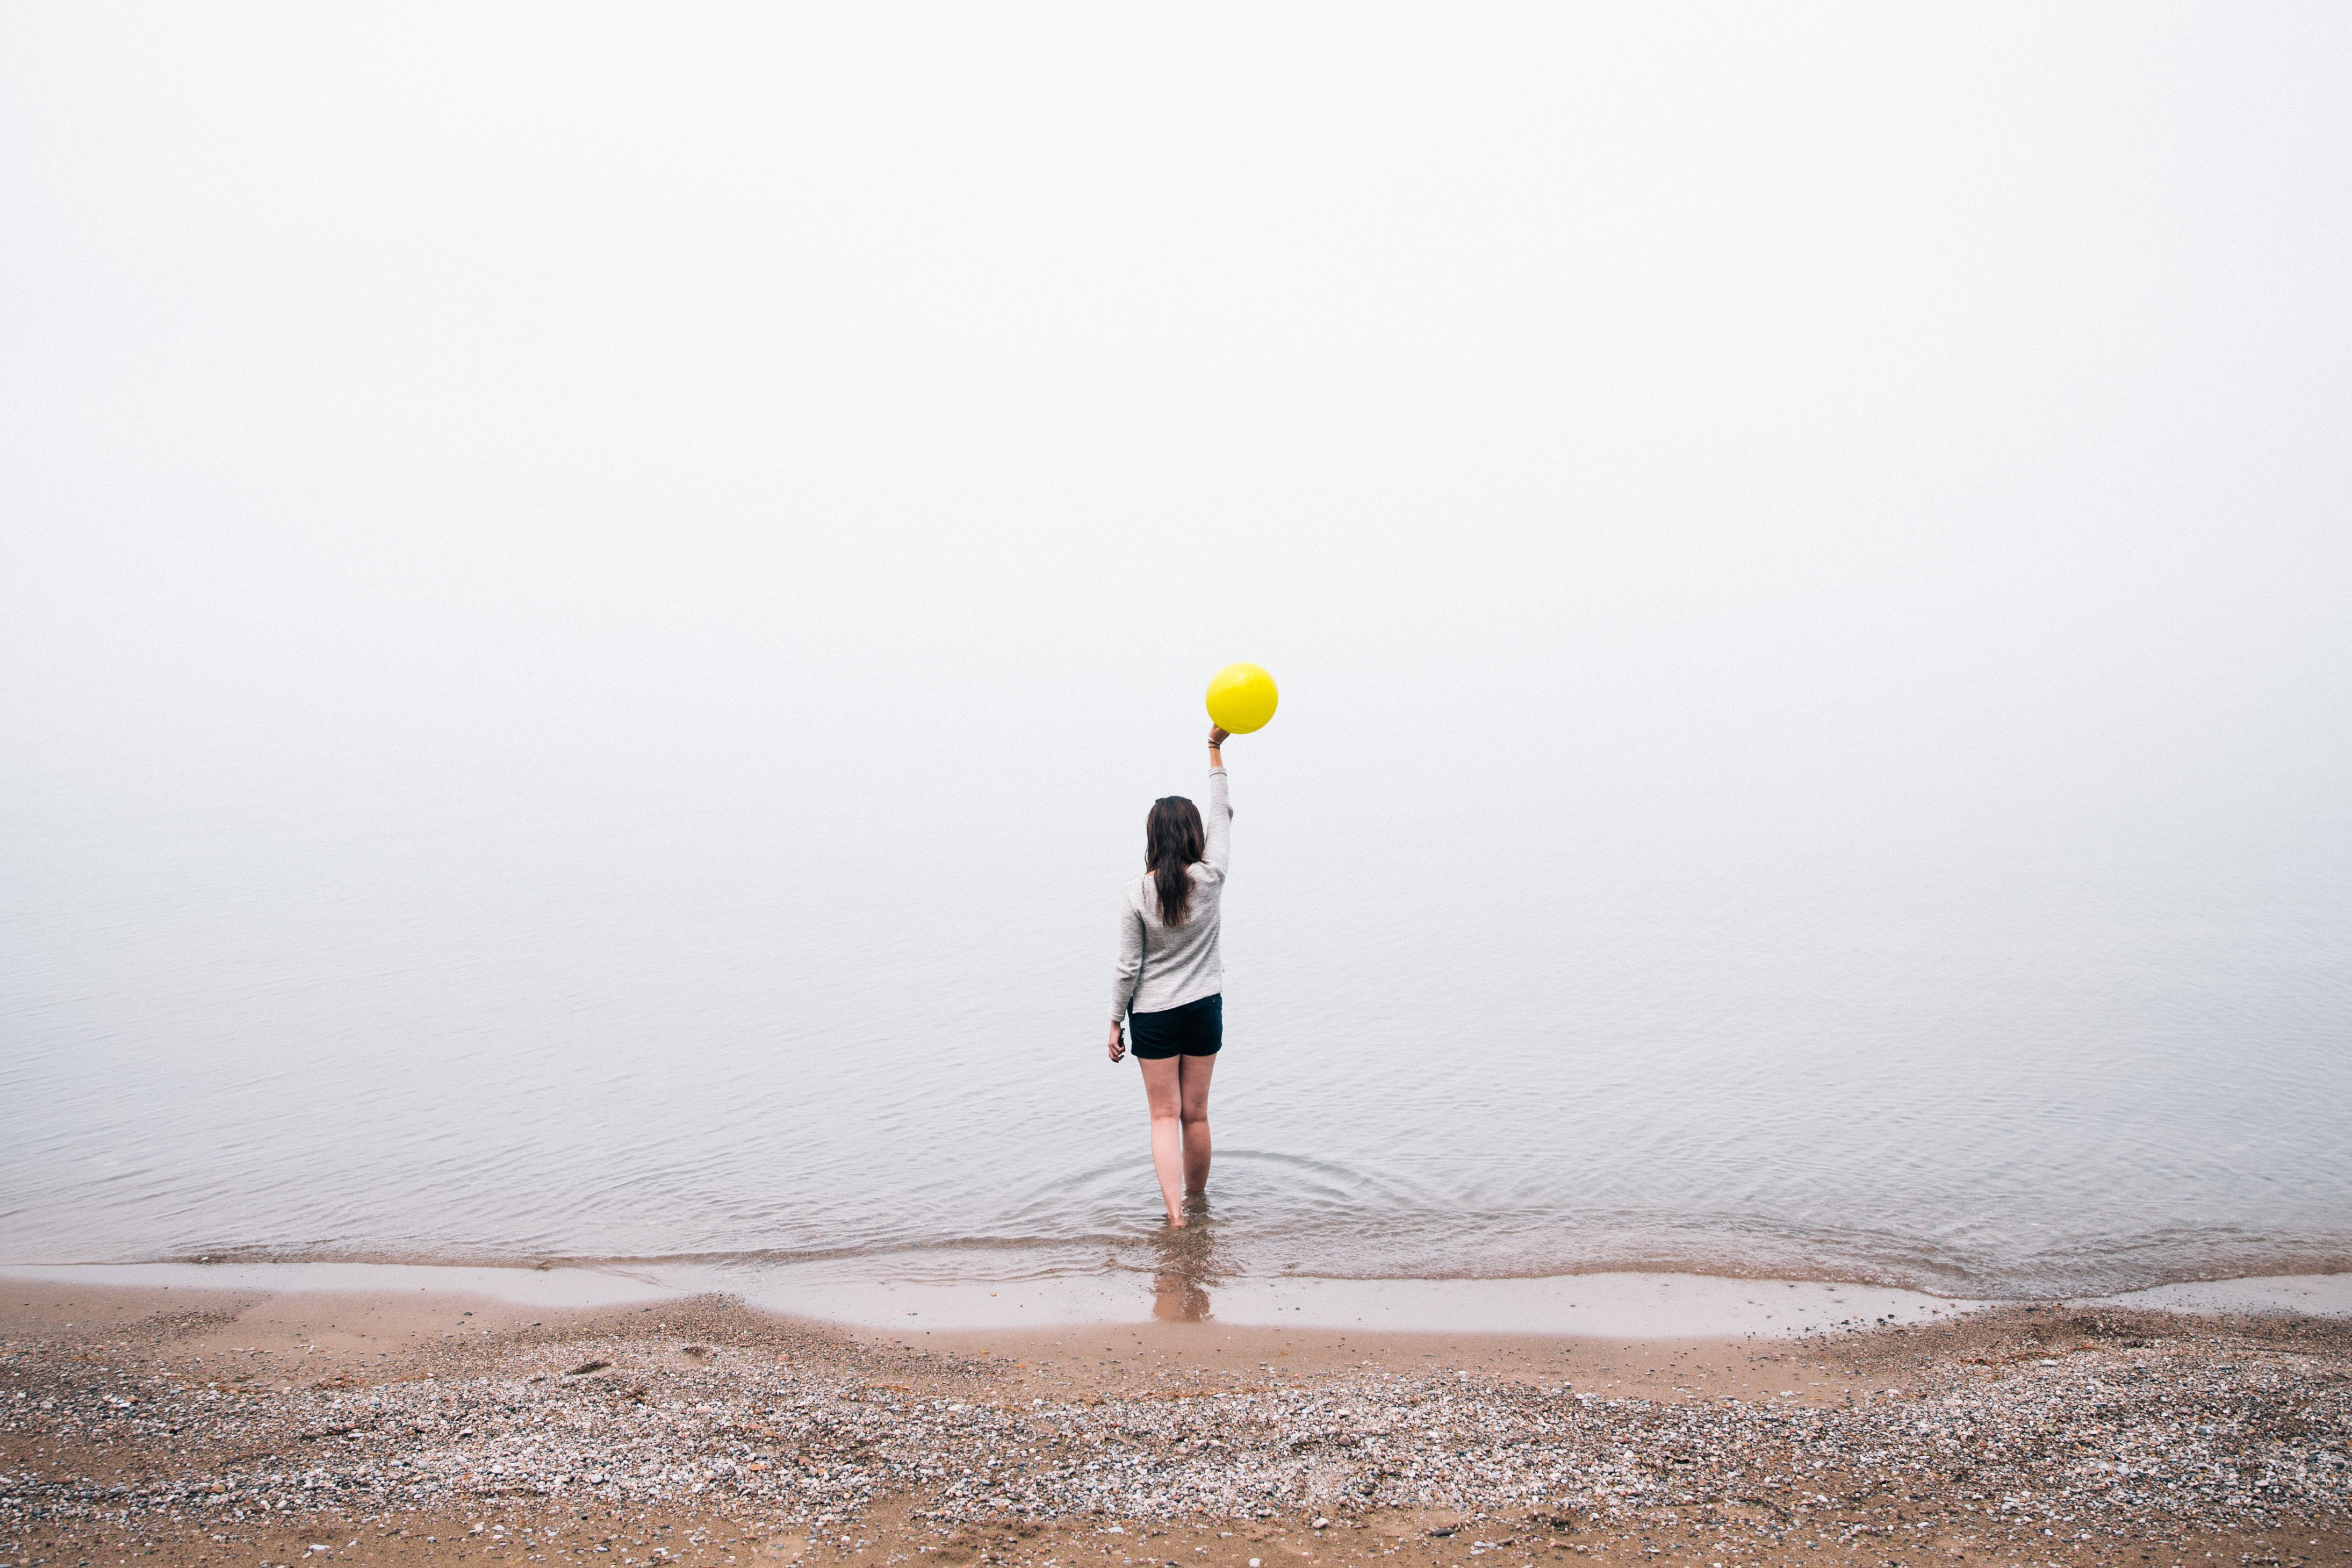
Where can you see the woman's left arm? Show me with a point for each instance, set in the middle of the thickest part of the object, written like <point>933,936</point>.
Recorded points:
<point>1128,970</point>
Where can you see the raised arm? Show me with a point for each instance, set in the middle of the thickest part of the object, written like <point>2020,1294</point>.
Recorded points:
<point>1217,823</point>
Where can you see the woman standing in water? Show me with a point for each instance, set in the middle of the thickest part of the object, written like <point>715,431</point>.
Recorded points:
<point>1169,987</point>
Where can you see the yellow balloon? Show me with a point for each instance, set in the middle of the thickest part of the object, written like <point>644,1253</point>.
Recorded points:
<point>1241,698</point>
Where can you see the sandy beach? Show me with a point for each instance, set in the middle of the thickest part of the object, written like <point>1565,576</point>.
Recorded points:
<point>199,1427</point>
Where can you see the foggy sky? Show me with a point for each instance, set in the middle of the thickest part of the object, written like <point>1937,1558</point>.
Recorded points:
<point>1691,419</point>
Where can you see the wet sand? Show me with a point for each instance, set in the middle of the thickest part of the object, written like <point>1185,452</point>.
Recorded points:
<point>198,1427</point>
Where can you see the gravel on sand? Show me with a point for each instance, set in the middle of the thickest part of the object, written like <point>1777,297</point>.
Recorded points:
<point>2054,1426</point>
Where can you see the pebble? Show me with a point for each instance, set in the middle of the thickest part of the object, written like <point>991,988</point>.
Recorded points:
<point>2106,1435</point>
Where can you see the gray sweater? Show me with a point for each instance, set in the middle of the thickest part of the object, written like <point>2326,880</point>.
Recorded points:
<point>1163,967</point>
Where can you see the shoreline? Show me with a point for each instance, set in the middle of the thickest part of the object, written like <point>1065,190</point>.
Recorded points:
<point>1606,1304</point>
<point>165,1424</point>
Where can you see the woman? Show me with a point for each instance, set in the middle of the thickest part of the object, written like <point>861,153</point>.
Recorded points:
<point>1170,983</point>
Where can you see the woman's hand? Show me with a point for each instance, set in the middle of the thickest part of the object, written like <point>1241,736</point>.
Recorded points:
<point>1218,736</point>
<point>1118,1045</point>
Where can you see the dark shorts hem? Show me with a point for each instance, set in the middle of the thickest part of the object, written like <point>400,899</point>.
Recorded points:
<point>1195,1029</point>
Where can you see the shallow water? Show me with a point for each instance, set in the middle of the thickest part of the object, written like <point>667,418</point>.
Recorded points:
<point>337,1019</point>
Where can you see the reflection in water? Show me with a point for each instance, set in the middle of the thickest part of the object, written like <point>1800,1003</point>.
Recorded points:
<point>1187,1265</point>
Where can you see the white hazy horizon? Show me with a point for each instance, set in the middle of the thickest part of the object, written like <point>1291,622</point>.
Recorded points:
<point>723,479</point>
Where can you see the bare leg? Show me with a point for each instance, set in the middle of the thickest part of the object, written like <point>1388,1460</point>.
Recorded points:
<point>1192,1077</point>
<point>1162,1087</point>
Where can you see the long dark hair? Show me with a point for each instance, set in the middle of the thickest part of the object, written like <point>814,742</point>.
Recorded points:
<point>1172,840</point>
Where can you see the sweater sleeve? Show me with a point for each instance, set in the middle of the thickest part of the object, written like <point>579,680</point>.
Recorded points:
<point>1131,959</point>
<point>1218,825</point>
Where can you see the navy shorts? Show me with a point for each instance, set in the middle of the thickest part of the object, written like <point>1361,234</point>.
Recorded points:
<point>1195,1029</point>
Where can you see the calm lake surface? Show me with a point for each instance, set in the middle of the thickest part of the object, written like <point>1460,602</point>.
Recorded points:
<point>764,1015</point>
